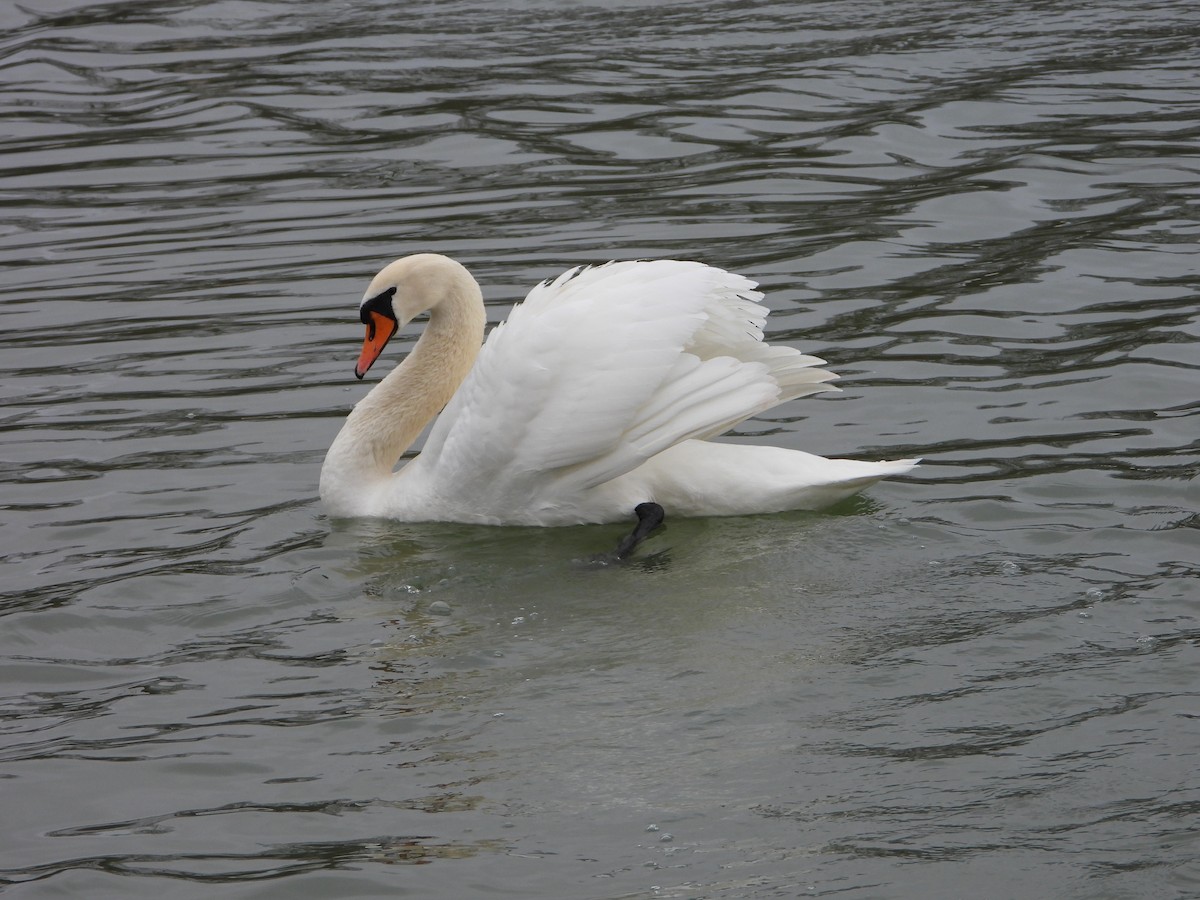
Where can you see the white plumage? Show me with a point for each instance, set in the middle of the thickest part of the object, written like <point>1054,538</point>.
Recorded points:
<point>600,392</point>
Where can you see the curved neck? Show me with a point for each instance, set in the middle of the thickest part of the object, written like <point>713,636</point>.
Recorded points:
<point>386,422</point>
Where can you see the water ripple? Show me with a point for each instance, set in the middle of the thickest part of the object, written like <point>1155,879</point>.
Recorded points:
<point>982,215</point>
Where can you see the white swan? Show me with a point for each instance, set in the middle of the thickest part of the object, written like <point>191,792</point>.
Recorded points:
<point>599,393</point>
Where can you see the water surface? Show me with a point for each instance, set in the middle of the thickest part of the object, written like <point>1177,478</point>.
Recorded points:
<point>979,680</point>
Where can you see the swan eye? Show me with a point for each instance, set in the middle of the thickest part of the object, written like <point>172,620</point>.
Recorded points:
<point>380,303</point>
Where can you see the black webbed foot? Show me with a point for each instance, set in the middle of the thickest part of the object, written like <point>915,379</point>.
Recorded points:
<point>650,518</point>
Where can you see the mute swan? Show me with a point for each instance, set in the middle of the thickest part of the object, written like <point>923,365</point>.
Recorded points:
<point>596,397</point>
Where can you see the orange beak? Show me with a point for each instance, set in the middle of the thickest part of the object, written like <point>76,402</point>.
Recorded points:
<point>380,329</point>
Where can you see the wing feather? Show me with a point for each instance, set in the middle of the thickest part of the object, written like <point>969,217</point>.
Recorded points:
<point>604,367</point>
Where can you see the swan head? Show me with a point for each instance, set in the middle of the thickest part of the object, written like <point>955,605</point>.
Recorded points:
<point>402,291</point>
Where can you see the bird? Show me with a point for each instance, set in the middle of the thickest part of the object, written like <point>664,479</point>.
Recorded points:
<point>598,398</point>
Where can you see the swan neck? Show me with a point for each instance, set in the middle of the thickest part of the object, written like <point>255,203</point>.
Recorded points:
<point>385,423</point>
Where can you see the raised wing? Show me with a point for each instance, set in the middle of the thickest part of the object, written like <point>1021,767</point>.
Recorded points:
<point>602,368</point>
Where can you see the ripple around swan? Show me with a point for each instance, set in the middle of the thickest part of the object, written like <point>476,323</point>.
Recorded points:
<point>982,215</point>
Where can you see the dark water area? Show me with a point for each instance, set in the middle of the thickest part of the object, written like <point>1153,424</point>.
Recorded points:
<point>980,680</point>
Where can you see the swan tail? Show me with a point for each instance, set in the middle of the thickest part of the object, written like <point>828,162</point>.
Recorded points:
<point>846,477</point>
<point>707,478</point>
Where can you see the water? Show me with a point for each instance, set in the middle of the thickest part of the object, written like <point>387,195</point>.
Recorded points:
<point>980,680</point>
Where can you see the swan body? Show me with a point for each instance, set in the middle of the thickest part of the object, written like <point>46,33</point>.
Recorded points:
<point>601,392</point>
